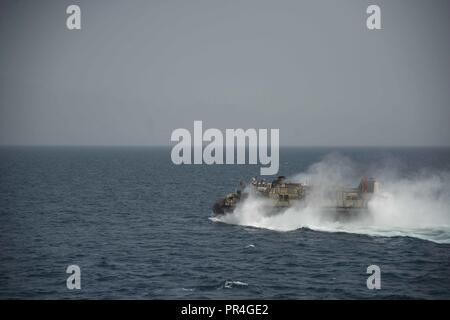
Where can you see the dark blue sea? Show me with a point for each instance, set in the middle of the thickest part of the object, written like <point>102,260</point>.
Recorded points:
<point>140,227</point>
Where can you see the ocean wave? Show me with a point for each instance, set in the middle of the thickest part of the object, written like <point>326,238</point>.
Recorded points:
<point>233,284</point>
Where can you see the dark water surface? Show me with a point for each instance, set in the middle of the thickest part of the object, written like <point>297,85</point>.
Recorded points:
<point>138,227</point>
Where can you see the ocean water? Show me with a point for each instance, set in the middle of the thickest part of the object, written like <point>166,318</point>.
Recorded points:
<point>140,227</point>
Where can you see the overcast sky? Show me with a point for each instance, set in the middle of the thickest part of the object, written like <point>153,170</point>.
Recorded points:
<point>140,69</point>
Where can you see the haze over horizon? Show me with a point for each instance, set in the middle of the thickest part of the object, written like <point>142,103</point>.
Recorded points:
<point>140,69</point>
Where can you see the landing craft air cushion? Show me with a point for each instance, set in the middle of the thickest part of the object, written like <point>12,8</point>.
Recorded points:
<point>283,195</point>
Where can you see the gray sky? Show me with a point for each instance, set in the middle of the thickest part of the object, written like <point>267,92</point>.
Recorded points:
<point>140,69</point>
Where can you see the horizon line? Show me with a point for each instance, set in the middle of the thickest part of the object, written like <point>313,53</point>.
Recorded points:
<point>169,146</point>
